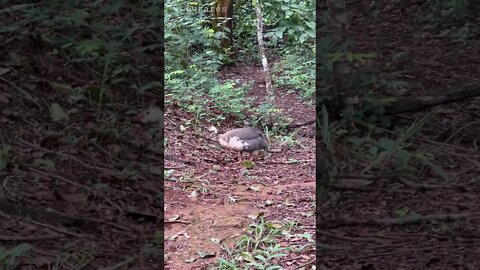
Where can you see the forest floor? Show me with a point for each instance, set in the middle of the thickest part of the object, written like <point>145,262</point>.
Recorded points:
<point>76,182</point>
<point>356,231</point>
<point>199,202</point>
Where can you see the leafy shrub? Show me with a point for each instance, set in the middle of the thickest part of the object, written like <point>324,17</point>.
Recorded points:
<point>297,71</point>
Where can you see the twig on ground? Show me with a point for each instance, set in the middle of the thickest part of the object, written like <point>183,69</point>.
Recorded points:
<point>43,225</point>
<point>346,222</point>
<point>60,230</point>
<point>289,162</point>
<point>295,125</point>
<point>178,221</point>
<point>377,240</point>
<point>386,190</point>
<point>10,238</point>
<point>5,186</point>
<point>121,227</point>
<point>311,262</point>
<point>60,178</point>
<point>356,176</point>
<point>58,153</point>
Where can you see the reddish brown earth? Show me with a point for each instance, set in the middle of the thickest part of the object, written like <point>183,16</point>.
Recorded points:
<point>432,65</point>
<point>216,177</point>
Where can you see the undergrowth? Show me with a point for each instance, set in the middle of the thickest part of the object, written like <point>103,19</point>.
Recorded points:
<point>8,256</point>
<point>296,72</point>
<point>95,47</point>
<point>385,152</point>
<point>261,248</point>
<point>193,57</point>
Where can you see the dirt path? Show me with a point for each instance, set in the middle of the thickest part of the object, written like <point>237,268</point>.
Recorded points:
<point>215,196</point>
<point>432,64</point>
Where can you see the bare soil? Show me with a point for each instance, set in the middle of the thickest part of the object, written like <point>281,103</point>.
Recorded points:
<point>213,197</point>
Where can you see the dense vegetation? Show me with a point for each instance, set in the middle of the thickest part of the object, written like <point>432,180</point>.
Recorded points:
<point>193,55</point>
<point>195,59</point>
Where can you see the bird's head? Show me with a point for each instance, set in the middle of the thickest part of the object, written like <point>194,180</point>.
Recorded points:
<point>213,129</point>
<point>213,132</point>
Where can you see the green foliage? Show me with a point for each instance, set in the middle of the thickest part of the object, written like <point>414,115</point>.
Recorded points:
<point>111,40</point>
<point>327,57</point>
<point>395,149</point>
<point>291,20</point>
<point>197,92</point>
<point>458,18</point>
<point>8,257</point>
<point>192,58</point>
<point>189,38</point>
<point>456,11</point>
<point>297,73</point>
<point>71,261</point>
<point>289,140</point>
<point>259,248</point>
<point>364,79</point>
<point>193,55</point>
<point>384,154</point>
<point>287,24</point>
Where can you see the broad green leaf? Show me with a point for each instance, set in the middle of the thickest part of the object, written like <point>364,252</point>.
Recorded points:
<point>44,162</point>
<point>386,143</point>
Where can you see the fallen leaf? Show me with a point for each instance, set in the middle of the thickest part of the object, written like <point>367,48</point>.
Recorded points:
<point>215,240</point>
<point>204,254</point>
<point>353,183</point>
<point>4,71</point>
<point>190,260</point>
<point>194,194</point>
<point>176,217</point>
<point>44,163</point>
<point>57,113</point>
<point>254,188</point>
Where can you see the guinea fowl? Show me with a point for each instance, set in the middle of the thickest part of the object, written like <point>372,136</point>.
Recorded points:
<point>241,140</point>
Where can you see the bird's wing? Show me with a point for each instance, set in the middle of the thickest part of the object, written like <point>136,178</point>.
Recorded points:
<point>244,134</point>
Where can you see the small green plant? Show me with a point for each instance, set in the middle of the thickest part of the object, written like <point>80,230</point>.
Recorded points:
<point>168,175</point>
<point>266,115</point>
<point>74,261</point>
<point>458,18</point>
<point>259,248</point>
<point>289,140</point>
<point>395,149</point>
<point>406,215</point>
<point>8,257</point>
<point>297,73</point>
<point>187,177</point>
<point>199,92</point>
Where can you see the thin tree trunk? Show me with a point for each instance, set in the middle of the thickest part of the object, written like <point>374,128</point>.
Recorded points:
<point>261,47</point>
